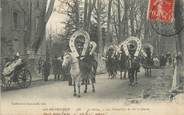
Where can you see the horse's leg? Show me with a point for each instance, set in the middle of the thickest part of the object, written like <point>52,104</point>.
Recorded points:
<point>116,73</point>
<point>58,76</point>
<point>54,76</point>
<point>88,82</point>
<point>133,77</point>
<point>74,85</point>
<point>78,88</point>
<point>136,76</point>
<point>121,74</point>
<point>86,86</point>
<point>150,72</point>
<point>83,82</point>
<point>145,72</point>
<point>130,77</point>
<point>113,74</point>
<point>108,75</point>
<point>125,72</point>
<point>92,83</point>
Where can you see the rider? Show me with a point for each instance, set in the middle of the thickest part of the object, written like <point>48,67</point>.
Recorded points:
<point>90,55</point>
<point>131,50</point>
<point>110,52</point>
<point>133,63</point>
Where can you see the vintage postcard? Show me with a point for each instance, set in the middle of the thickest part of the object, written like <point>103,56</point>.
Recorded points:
<point>92,57</point>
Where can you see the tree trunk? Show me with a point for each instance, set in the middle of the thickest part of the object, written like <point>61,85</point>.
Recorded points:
<point>119,20</point>
<point>90,9</point>
<point>85,14</point>
<point>43,21</point>
<point>0,36</point>
<point>125,21</point>
<point>100,42</point>
<point>178,24</point>
<point>108,22</point>
<point>77,14</point>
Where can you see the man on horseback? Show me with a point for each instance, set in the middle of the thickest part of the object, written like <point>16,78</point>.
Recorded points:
<point>81,60</point>
<point>148,60</point>
<point>122,61</point>
<point>133,64</point>
<point>87,61</point>
<point>111,61</point>
<point>132,48</point>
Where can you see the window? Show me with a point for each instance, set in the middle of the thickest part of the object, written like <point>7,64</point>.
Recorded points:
<point>15,19</point>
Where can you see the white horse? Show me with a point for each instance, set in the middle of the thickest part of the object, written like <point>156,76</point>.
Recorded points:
<point>73,62</point>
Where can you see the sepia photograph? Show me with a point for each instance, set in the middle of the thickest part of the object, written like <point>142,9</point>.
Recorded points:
<point>92,57</point>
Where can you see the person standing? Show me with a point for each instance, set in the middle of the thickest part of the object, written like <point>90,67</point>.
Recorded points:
<point>46,69</point>
<point>55,67</point>
<point>40,63</point>
<point>60,61</point>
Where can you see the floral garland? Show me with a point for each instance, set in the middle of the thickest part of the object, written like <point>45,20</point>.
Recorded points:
<point>72,42</point>
<point>125,45</point>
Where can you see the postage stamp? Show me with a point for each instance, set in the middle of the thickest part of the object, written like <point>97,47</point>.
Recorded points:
<point>164,15</point>
<point>161,10</point>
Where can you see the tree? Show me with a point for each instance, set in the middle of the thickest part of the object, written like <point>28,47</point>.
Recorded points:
<point>42,26</point>
<point>109,21</point>
<point>99,16</point>
<point>73,21</point>
<point>178,24</point>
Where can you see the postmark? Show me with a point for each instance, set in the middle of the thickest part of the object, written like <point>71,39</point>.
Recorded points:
<point>161,16</point>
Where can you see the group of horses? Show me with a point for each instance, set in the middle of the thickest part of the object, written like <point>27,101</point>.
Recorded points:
<point>116,60</point>
<point>85,69</point>
<point>83,65</point>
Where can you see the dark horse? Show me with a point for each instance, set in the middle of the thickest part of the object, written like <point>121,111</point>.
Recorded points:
<point>111,63</point>
<point>88,67</point>
<point>122,62</point>
<point>148,62</point>
<point>133,69</point>
<point>133,65</point>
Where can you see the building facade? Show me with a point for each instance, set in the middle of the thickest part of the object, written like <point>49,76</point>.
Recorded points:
<point>20,25</point>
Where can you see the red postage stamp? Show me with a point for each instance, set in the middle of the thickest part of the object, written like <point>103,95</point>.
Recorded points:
<point>161,10</point>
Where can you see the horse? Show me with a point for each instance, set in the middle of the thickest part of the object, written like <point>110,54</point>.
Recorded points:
<point>148,62</point>
<point>133,66</point>
<point>111,63</point>
<point>122,62</point>
<point>78,71</point>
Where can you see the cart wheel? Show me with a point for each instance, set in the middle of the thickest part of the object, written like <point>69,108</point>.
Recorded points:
<point>24,78</point>
<point>4,83</point>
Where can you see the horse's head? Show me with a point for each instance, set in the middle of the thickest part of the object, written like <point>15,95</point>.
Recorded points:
<point>148,52</point>
<point>67,59</point>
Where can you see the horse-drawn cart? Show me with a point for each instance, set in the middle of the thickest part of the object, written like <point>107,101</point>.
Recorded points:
<point>16,73</point>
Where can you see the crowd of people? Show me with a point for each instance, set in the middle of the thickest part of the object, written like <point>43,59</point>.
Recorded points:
<point>54,67</point>
<point>163,60</point>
